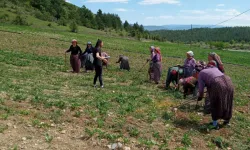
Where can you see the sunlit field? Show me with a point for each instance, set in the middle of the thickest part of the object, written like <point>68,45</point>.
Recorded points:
<point>44,106</point>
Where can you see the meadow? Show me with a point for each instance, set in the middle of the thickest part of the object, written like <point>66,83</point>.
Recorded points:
<point>44,106</point>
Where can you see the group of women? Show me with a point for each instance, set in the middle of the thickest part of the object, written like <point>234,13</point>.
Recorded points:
<point>96,53</point>
<point>220,91</point>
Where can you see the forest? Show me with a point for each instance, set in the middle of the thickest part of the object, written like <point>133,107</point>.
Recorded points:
<point>65,14</point>
<point>226,34</point>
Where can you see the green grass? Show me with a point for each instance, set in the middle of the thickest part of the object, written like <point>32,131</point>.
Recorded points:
<point>33,72</point>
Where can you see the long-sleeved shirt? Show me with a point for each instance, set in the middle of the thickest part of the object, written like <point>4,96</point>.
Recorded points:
<point>74,50</point>
<point>206,77</point>
<point>156,58</point>
<point>97,61</point>
<point>190,63</point>
<point>88,50</point>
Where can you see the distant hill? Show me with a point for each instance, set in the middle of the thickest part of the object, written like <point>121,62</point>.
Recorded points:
<point>176,27</point>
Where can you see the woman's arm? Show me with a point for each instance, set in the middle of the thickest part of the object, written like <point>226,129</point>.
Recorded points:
<point>80,50</point>
<point>85,51</point>
<point>201,85</point>
<point>68,50</point>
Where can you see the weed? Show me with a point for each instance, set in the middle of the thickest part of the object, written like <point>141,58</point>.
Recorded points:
<point>156,135</point>
<point>15,147</point>
<point>186,140</point>
<point>220,142</point>
<point>133,132</point>
<point>55,116</point>
<point>167,115</point>
<point>100,123</point>
<point>3,127</point>
<point>4,116</point>
<point>77,114</point>
<point>89,132</point>
<point>147,142</point>
<point>211,145</point>
<point>74,106</point>
<point>60,104</point>
<point>48,138</point>
<point>24,112</point>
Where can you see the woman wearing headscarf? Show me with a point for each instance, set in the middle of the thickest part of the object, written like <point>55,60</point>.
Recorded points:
<point>98,60</point>
<point>75,56</point>
<point>214,59</point>
<point>151,69</point>
<point>157,68</point>
<point>87,57</point>
<point>174,72</point>
<point>124,63</point>
<point>189,64</point>
<point>220,91</point>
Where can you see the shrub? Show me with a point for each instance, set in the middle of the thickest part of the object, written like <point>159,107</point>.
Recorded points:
<point>62,22</point>
<point>4,18</point>
<point>73,27</point>
<point>20,20</point>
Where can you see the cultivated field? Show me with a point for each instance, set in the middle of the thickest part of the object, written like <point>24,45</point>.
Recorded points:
<point>44,106</point>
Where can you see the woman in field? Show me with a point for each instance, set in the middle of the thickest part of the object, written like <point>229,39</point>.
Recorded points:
<point>157,68</point>
<point>177,71</point>
<point>124,64</point>
<point>98,61</point>
<point>151,69</point>
<point>75,56</point>
<point>189,64</point>
<point>87,57</point>
<point>220,91</point>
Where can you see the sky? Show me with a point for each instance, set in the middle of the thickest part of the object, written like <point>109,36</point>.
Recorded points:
<point>166,12</point>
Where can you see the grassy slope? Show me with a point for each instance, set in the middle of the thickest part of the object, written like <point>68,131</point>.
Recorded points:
<point>129,109</point>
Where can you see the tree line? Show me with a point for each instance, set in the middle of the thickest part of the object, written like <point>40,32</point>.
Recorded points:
<point>226,34</point>
<point>68,14</point>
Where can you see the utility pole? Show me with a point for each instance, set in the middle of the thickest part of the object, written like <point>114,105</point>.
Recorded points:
<point>191,35</point>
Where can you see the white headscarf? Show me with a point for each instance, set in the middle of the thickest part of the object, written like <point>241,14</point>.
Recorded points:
<point>190,53</point>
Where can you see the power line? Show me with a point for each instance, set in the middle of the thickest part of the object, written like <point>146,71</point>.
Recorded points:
<point>230,18</point>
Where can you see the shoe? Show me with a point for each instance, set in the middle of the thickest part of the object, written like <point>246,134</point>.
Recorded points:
<point>226,123</point>
<point>95,86</point>
<point>102,86</point>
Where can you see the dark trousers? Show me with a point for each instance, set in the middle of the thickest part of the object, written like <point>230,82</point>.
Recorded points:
<point>98,73</point>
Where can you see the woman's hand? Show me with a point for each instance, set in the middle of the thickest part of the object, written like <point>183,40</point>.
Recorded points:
<point>105,61</point>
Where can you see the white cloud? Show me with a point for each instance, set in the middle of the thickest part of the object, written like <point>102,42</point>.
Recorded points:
<point>107,1</point>
<point>228,12</point>
<point>193,11</point>
<point>67,1</point>
<point>159,17</point>
<point>220,5</point>
<point>121,9</point>
<point>152,2</point>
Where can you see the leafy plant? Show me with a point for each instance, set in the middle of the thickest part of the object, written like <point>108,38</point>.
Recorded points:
<point>73,27</point>
<point>48,138</point>
<point>133,132</point>
<point>186,140</point>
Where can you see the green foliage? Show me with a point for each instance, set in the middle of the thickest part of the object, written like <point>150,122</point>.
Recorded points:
<point>77,114</point>
<point>20,20</point>
<point>228,34</point>
<point>73,27</point>
<point>133,132</point>
<point>63,22</point>
<point>3,128</point>
<point>220,142</point>
<point>4,18</point>
<point>48,138</point>
<point>186,140</point>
